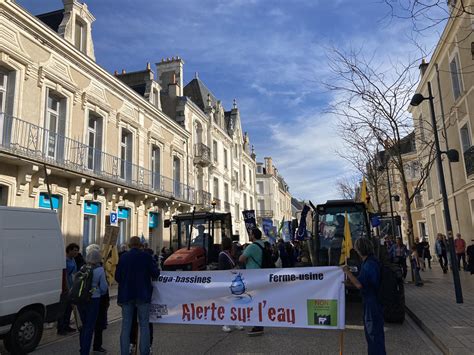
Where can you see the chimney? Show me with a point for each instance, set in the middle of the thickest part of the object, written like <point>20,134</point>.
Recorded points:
<point>170,74</point>
<point>423,66</point>
<point>269,165</point>
<point>173,88</point>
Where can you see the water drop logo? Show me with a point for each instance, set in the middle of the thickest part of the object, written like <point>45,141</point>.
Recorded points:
<point>237,287</point>
<point>239,290</point>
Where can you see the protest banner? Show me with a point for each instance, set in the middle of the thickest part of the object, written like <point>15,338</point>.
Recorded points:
<point>249,219</point>
<point>311,297</point>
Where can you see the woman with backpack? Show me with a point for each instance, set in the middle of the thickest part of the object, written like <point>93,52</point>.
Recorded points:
<point>368,282</point>
<point>89,310</point>
<point>227,262</point>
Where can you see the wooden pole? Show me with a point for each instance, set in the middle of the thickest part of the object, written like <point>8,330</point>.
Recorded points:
<point>341,342</point>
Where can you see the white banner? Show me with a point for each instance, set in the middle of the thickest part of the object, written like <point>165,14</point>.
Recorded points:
<point>310,297</point>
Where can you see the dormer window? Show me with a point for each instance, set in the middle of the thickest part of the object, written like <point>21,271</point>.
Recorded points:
<point>80,35</point>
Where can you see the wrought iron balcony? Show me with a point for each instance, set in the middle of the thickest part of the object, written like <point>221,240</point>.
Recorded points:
<point>226,206</point>
<point>202,154</point>
<point>469,161</point>
<point>203,198</point>
<point>31,141</point>
<point>265,213</point>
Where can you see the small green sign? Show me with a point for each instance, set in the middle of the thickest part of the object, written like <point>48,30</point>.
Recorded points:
<point>322,312</point>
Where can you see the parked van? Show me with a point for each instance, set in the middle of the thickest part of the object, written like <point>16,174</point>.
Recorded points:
<point>31,273</point>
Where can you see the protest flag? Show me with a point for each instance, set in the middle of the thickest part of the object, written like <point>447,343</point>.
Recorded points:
<point>365,197</point>
<point>347,244</point>
<point>301,232</point>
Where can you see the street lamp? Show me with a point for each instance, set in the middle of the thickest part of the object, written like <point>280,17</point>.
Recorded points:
<point>454,155</point>
<point>381,169</point>
<point>213,203</point>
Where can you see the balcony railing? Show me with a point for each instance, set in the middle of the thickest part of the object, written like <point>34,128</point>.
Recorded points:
<point>226,206</point>
<point>31,141</point>
<point>265,213</point>
<point>202,154</point>
<point>469,161</point>
<point>203,198</point>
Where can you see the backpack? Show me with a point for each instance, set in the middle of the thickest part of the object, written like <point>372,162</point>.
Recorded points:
<point>81,289</point>
<point>267,260</point>
<point>391,293</point>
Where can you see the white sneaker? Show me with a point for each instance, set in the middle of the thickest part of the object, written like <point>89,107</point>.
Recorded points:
<point>239,327</point>
<point>226,329</point>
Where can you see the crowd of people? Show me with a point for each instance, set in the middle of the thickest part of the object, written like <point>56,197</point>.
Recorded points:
<point>138,266</point>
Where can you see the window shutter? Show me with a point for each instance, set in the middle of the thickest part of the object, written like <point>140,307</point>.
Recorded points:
<point>10,100</point>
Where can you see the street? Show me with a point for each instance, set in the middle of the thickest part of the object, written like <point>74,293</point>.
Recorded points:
<point>188,339</point>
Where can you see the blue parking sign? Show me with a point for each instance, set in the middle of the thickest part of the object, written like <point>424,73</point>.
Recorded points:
<point>113,218</point>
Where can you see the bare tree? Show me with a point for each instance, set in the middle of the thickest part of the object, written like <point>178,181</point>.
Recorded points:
<point>374,102</point>
<point>428,14</point>
<point>360,150</point>
<point>348,187</point>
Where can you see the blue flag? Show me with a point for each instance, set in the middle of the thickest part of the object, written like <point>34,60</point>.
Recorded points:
<point>301,232</point>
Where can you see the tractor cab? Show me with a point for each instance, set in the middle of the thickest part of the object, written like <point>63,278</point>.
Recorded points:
<point>196,237</point>
<point>328,233</point>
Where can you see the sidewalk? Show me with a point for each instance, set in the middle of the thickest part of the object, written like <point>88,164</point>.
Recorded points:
<point>434,309</point>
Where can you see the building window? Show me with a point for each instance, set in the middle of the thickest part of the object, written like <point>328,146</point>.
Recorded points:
<point>56,200</point>
<point>226,161</point>
<point>244,170</point>
<point>124,224</point>
<point>91,225</point>
<point>250,177</point>
<point>465,137</point>
<point>126,155</point>
<point>429,188</point>
<point>259,169</point>
<point>94,136</point>
<point>260,189</point>
<point>7,91</point>
<point>236,178</point>
<point>261,205</point>
<point>177,176</point>
<point>3,195</point>
<point>251,202</point>
<point>155,167</point>
<point>216,188</point>
<point>456,76</point>
<point>80,35</point>
<point>226,192</point>
<point>236,151</point>
<point>55,125</point>
<point>237,212</point>
<point>3,90</point>
<point>245,201</point>
<point>214,151</point>
<point>156,98</point>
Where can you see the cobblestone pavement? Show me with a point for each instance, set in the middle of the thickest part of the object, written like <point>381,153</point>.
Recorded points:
<point>434,308</point>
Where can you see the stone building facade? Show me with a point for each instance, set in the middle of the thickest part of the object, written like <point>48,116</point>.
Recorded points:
<point>450,74</point>
<point>128,143</point>
<point>273,194</point>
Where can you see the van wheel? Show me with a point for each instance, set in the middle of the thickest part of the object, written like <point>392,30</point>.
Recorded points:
<point>25,333</point>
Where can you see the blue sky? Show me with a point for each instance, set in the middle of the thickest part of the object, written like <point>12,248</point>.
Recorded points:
<point>271,55</point>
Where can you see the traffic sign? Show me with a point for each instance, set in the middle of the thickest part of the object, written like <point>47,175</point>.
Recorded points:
<point>113,219</point>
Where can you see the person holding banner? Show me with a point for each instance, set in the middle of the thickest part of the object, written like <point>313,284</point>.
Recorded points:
<point>368,282</point>
<point>227,262</point>
<point>252,257</point>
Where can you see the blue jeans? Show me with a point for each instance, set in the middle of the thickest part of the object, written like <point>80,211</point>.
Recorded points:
<point>143,312</point>
<point>88,313</point>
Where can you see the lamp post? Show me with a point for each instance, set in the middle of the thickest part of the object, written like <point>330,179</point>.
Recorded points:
<point>213,203</point>
<point>452,156</point>
<point>381,168</point>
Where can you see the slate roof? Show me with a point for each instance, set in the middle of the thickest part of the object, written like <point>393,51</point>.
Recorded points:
<point>197,92</point>
<point>52,19</point>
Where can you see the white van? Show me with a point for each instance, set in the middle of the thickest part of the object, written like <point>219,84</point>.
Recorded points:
<point>32,260</point>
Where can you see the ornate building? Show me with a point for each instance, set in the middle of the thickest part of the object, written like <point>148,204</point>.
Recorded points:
<point>125,142</point>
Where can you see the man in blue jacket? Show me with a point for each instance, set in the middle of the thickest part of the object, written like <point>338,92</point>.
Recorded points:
<point>134,274</point>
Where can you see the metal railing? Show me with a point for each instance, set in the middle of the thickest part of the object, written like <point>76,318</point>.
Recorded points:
<point>469,161</point>
<point>202,154</point>
<point>32,141</point>
<point>203,198</point>
<point>265,213</point>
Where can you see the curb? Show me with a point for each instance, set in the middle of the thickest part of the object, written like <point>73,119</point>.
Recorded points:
<point>427,331</point>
